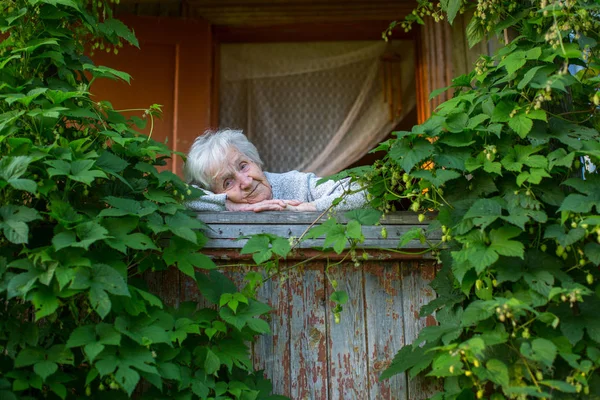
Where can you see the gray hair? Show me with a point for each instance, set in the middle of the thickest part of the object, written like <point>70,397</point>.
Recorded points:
<point>209,152</point>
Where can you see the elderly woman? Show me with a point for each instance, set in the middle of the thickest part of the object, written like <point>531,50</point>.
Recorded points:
<point>228,168</point>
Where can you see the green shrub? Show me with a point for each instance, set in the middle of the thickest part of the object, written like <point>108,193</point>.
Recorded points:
<point>84,212</point>
<point>502,161</point>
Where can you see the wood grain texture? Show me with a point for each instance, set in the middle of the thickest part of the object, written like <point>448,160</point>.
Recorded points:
<point>385,327</point>
<point>271,353</point>
<point>308,356</point>
<point>229,231</point>
<point>347,340</point>
<point>284,218</point>
<point>416,292</point>
<point>165,284</point>
<point>233,243</point>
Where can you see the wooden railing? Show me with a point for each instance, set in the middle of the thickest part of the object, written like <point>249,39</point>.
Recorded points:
<point>309,355</point>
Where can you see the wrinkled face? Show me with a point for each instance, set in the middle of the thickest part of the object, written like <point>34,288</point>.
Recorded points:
<point>242,180</point>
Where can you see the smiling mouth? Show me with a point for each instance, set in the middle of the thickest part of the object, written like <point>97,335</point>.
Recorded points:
<point>253,190</point>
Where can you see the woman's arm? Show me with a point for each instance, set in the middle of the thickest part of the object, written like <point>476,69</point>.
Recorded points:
<point>326,193</point>
<point>208,202</point>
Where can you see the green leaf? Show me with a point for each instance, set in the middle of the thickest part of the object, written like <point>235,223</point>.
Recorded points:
<point>339,297</point>
<point>11,170</point>
<point>44,300</point>
<point>438,176</point>
<point>45,368</point>
<point>457,122</point>
<point>13,221</point>
<point>521,124</point>
<point>475,32</point>
<point>186,256</point>
<point>477,311</point>
<point>244,313</point>
<point>406,358</point>
<point>564,236</point>
<point>106,72</point>
<point>484,208</point>
<point>529,75</point>
<point>592,252</point>
<point>100,279</point>
<point>123,206</point>
<point>365,216</point>
<point>542,350</point>
<point>259,326</point>
<point>280,246</point>
<point>451,7</point>
<point>501,243</point>
<point>87,233</point>
<point>559,385</point>
<point>498,372</point>
<point>559,157</point>
<point>410,155</point>
<point>213,285</point>
<point>110,162</point>
<point>502,111</point>
<point>353,230</point>
<point>81,336</point>
<point>128,378</point>
<point>29,356</point>
<point>117,27</point>
<point>513,61</point>
<point>212,363</point>
<point>258,246</point>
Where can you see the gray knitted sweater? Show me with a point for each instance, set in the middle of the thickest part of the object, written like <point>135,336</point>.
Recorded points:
<point>294,185</point>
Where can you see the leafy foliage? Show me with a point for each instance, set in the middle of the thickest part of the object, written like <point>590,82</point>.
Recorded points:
<point>502,164</point>
<point>86,207</point>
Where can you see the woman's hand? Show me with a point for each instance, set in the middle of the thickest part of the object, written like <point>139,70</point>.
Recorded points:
<point>265,205</point>
<point>306,207</point>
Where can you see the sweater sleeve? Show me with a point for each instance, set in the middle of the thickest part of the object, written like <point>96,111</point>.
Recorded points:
<point>209,202</point>
<point>323,195</point>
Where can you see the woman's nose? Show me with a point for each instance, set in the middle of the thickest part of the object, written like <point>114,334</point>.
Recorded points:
<point>245,181</point>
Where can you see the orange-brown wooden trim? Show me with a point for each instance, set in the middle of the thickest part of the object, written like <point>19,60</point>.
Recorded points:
<point>422,83</point>
<point>194,74</point>
<point>303,254</point>
<point>216,81</point>
<point>306,32</point>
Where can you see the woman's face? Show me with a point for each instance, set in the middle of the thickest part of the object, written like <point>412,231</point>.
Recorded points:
<point>242,180</point>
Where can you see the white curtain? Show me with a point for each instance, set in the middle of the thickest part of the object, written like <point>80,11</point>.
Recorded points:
<point>315,107</point>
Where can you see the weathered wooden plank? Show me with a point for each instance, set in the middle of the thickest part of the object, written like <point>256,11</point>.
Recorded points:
<point>165,284</point>
<point>318,243</point>
<point>283,218</point>
<point>416,292</point>
<point>347,342</point>
<point>271,352</point>
<point>190,291</point>
<point>308,356</point>
<point>385,328</point>
<point>229,231</point>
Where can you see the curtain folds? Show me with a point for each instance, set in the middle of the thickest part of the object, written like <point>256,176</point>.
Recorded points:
<point>315,107</point>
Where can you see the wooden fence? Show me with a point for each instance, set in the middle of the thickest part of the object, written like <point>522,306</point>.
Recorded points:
<point>309,355</point>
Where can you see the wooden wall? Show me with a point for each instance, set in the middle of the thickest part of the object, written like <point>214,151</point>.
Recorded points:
<point>173,68</point>
<point>309,355</point>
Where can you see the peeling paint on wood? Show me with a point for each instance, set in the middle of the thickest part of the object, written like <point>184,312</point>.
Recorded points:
<point>166,285</point>
<point>308,356</point>
<point>416,293</point>
<point>347,340</point>
<point>385,328</point>
<point>271,353</point>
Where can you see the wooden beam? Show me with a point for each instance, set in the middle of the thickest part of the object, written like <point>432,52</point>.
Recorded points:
<point>306,32</point>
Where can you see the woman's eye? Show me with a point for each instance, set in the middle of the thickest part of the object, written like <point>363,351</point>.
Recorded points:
<point>243,166</point>
<point>227,183</point>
